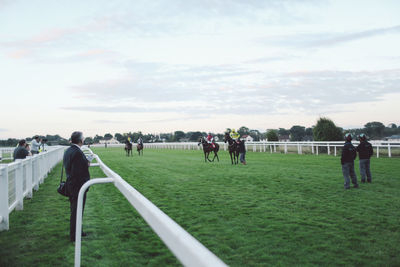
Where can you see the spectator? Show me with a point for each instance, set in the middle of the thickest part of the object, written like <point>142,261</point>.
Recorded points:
<point>365,152</point>
<point>21,152</point>
<point>36,142</point>
<point>242,152</point>
<point>77,171</point>
<point>28,147</point>
<point>349,154</point>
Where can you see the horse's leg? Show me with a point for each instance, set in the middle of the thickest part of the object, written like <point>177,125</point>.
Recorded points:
<point>205,156</point>
<point>230,153</point>
<point>208,156</point>
<point>216,154</point>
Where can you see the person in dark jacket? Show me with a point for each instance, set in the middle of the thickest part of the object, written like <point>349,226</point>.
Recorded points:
<point>77,171</point>
<point>365,152</point>
<point>349,154</point>
<point>242,152</point>
<point>21,152</point>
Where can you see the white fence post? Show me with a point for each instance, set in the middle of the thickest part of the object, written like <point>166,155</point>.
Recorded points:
<point>329,150</point>
<point>285,148</point>
<point>275,148</point>
<point>377,151</point>
<point>389,151</point>
<point>316,148</point>
<point>312,149</point>
<point>28,172</point>
<point>19,194</point>
<point>335,151</point>
<point>4,221</point>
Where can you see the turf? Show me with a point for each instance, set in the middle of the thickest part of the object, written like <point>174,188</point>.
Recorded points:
<point>277,210</point>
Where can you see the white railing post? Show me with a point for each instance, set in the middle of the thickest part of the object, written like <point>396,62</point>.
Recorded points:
<point>389,151</point>
<point>28,177</point>
<point>377,151</point>
<point>4,221</point>
<point>329,149</point>
<point>335,151</point>
<point>19,183</point>
<point>285,148</point>
<point>316,148</point>
<point>35,173</point>
<point>312,148</point>
<point>275,148</point>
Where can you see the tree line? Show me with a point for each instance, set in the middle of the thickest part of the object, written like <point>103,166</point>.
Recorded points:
<point>324,130</point>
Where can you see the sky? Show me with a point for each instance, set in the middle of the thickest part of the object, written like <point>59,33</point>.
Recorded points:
<point>159,66</point>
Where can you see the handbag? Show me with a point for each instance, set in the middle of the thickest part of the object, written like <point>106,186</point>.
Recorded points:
<point>62,188</point>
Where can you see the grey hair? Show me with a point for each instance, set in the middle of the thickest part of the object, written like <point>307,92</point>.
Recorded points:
<point>76,137</point>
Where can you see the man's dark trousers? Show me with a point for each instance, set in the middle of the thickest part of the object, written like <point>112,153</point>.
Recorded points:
<point>74,206</point>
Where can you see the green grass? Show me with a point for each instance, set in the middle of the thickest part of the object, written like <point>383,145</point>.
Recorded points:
<point>277,210</point>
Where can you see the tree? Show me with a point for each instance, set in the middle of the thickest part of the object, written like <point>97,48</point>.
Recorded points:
<point>108,136</point>
<point>195,136</point>
<point>88,140</point>
<point>255,134</point>
<point>374,129</point>
<point>272,135</point>
<point>326,130</point>
<point>297,133</point>
<point>283,131</point>
<point>120,138</point>
<point>243,131</point>
<point>97,138</point>
<point>179,135</point>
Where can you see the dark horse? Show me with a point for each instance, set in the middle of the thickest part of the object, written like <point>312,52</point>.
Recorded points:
<point>233,148</point>
<point>128,148</point>
<point>139,148</point>
<point>207,148</point>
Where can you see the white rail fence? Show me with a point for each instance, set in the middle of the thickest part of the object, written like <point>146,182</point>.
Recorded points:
<point>18,179</point>
<point>381,148</point>
<point>186,248</point>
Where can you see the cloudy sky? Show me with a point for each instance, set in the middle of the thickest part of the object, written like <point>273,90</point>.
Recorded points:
<point>159,66</point>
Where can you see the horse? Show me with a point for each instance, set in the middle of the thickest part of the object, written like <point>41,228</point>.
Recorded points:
<point>139,148</point>
<point>207,148</point>
<point>128,148</point>
<point>233,148</point>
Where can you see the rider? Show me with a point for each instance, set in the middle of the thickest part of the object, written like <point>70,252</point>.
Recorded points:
<point>129,139</point>
<point>140,141</point>
<point>234,135</point>
<point>210,140</point>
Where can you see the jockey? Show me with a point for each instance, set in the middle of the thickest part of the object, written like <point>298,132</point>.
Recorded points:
<point>140,141</point>
<point>129,139</point>
<point>210,140</point>
<point>234,135</point>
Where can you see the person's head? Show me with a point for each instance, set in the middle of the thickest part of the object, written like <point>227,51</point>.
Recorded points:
<point>36,137</point>
<point>233,130</point>
<point>77,138</point>
<point>348,137</point>
<point>22,142</point>
<point>363,137</point>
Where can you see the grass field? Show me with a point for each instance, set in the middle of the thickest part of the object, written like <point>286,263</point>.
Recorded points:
<point>277,210</point>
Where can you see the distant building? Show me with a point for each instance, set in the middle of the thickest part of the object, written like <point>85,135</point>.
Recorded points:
<point>247,138</point>
<point>284,138</point>
<point>393,138</point>
<point>112,141</point>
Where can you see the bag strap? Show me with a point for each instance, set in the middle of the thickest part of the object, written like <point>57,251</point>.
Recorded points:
<point>62,172</point>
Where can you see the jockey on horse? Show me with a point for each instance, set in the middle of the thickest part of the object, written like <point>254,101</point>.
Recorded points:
<point>210,140</point>
<point>234,135</point>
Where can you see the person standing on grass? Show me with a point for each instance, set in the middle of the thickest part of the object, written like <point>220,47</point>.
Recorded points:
<point>242,151</point>
<point>349,154</point>
<point>21,152</point>
<point>77,171</point>
<point>365,152</point>
<point>36,142</point>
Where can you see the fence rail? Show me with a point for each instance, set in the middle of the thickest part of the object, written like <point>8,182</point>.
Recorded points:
<point>185,247</point>
<point>19,178</point>
<point>381,148</point>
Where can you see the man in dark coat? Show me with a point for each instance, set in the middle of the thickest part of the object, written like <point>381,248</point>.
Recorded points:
<point>242,151</point>
<point>365,152</point>
<point>21,152</point>
<point>349,154</point>
<point>77,171</point>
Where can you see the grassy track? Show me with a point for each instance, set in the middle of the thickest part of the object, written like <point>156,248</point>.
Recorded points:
<point>278,210</point>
